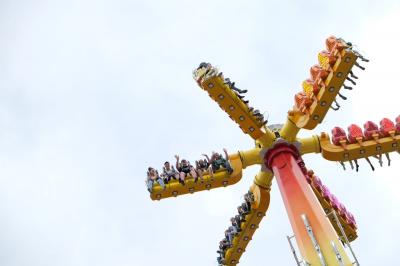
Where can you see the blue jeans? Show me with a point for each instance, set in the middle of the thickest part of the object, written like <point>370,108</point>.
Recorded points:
<point>161,182</point>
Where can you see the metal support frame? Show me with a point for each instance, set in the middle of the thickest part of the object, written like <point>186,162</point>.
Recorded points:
<point>289,238</point>
<point>299,262</point>
<point>313,239</point>
<point>344,236</point>
<point>338,256</point>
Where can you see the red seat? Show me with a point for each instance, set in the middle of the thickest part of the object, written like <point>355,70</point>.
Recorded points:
<point>398,125</point>
<point>338,136</point>
<point>317,72</point>
<point>370,129</point>
<point>333,44</point>
<point>355,133</point>
<point>387,127</point>
<point>302,101</point>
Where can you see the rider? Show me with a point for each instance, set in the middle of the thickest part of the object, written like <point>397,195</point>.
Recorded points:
<point>201,166</point>
<point>153,177</point>
<point>169,172</point>
<point>217,161</point>
<point>184,168</point>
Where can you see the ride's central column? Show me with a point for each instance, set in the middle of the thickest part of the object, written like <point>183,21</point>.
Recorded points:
<point>316,238</point>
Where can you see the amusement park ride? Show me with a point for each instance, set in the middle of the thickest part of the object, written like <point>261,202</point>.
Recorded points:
<point>322,226</point>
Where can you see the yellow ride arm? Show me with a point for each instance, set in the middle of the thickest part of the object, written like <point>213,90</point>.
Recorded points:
<point>253,219</point>
<point>213,82</point>
<point>220,179</point>
<point>327,94</point>
<point>356,151</point>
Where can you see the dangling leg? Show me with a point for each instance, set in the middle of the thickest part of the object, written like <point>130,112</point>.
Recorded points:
<point>344,166</point>
<point>150,185</point>
<point>337,106</point>
<point>379,157</point>
<point>351,165</point>
<point>352,81</point>
<point>357,166</point>
<point>342,96</point>
<point>228,167</point>
<point>361,57</point>
<point>370,164</point>
<point>210,171</point>
<point>193,173</point>
<point>352,75</point>
<point>388,158</point>
<point>161,182</point>
<point>182,178</point>
<point>347,87</point>
<point>200,174</point>
<point>359,66</point>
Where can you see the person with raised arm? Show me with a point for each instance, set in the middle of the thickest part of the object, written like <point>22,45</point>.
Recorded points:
<point>184,168</point>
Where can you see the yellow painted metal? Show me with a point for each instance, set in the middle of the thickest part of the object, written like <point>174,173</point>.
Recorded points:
<point>264,179</point>
<point>309,145</point>
<point>326,95</point>
<point>253,219</point>
<point>267,139</point>
<point>289,130</point>
<point>231,104</point>
<point>250,157</point>
<point>221,179</point>
<point>213,82</point>
<point>368,148</point>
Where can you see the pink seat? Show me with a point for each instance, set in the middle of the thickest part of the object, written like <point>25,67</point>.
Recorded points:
<point>335,202</point>
<point>398,125</point>
<point>352,220</point>
<point>338,135</point>
<point>308,178</point>
<point>355,133</point>
<point>370,128</point>
<point>387,127</point>
<point>317,183</point>
<point>326,194</point>
<point>343,211</point>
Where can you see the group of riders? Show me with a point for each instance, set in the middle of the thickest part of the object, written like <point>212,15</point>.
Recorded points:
<point>183,170</point>
<point>234,229</point>
<point>238,92</point>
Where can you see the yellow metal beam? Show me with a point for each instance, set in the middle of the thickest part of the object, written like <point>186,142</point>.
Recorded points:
<point>212,81</point>
<point>250,157</point>
<point>368,148</point>
<point>309,145</point>
<point>327,94</point>
<point>264,179</point>
<point>289,130</point>
<point>253,219</point>
<point>220,179</point>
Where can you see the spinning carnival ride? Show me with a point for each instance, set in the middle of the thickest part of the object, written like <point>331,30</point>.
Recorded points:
<point>322,226</point>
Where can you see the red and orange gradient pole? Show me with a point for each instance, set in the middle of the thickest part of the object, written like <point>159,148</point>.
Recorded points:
<point>303,208</point>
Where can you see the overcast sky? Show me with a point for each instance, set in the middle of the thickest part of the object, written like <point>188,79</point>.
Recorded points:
<point>94,92</point>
